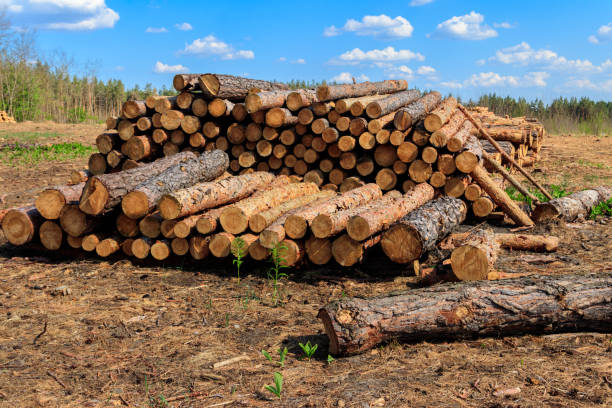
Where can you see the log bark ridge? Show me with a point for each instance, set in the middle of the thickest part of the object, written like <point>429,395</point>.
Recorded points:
<point>573,206</point>
<point>407,116</point>
<point>391,103</point>
<point>463,310</point>
<point>233,87</point>
<point>329,92</point>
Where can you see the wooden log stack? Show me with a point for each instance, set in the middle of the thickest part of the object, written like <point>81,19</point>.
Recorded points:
<point>6,118</point>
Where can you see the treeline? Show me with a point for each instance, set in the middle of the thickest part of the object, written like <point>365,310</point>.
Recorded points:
<point>562,115</point>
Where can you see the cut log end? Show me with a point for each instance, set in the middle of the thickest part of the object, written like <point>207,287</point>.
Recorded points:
<point>319,250</point>
<point>295,227</point>
<point>107,247</point>
<point>322,225</point>
<point>233,220</point>
<point>49,204</point>
<point>347,251</point>
<point>160,250</point>
<point>135,204</point>
<point>94,198</point>
<point>401,244</point>
<point>51,235</point>
<point>17,227</point>
<point>358,228</point>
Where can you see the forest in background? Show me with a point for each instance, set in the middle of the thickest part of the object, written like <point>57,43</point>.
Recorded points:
<point>36,88</point>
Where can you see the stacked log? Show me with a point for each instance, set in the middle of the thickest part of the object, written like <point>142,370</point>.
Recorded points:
<point>6,118</point>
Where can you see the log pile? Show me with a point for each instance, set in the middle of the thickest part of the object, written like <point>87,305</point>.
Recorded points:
<point>522,137</point>
<point>6,118</point>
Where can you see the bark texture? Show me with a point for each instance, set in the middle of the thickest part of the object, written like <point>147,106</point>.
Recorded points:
<point>233,87</point>
<point>144,197</point>
<point>439,116</point>
<point>573,206</point>
<point>391,103</point>
<point>485,308</point>
<point>51,201</point>
<point>406,117</point>
<point>330,92</point>
<point>420,230</point>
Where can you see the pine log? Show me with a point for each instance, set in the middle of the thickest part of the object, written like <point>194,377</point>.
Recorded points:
<point>483,206</point>
<point>145,196</point>
<point>185,82</point>
<point>150,226</point>
<point>134,109</point>
<point>365,166</point>
<point>350,183</point>
<point>220,108</point>
<point>79,176</point>
<point>322,108</point>
<point>376,125</point>
<point>472,192</point>
<point>437,179</point>
<point>141,247</point>
<point>97,164</point>
<point>572,207</point>
<point>140,147</point>
<point>385,155</point>
<point>301,98</point>
<point>520,242</point>
<point>220,244</point>
<point>407,116</point>
<point>429,154</point>
<point>456,142</point>
<point>305,116</point>
<point>74,242</point>
<point>103,192</point>
<point>106,142</point>
<point>51,235</point>
<point>319,251</point>
<point>296,225</point>
<point>386,179</point>
<point>75,222</point>
<point>378,218</point>
<point>199,107</point>
<point>325,225</point>
<point>391,103</point>
<point>189,124</point>
<point>347,251</point>
<point>446,164</point>
<point>439,116</point>
<point>407,152</point>
<point>420,171</point>
<point>399,167</point>
<point>398,137</point>
<point>108,246</point>
<point>331,92</point>
<point>440,137</point>
<point>319,125</point>
<point>291,252</point>
<point>510,208</point>
<point>20,224</point>
<point>258,252</point>
<point>180,246</point>
<point>126,226</point>
<point>420,230</point>
<point>111,122</point>
<point>266,100</point>
<point>367,141</point>
<point>277,117</point>
<point>420,136</point>
<point>126,129</point>
<point>235,218</point>
<point>464,310</point>
<point>475,256</point>
<point>91,241</point>
<point>51,201</point>
<point>171,119</point>
<point>199,247</point>
<point>233,87</point>
<point>455,186</point>
<point>470,157</point>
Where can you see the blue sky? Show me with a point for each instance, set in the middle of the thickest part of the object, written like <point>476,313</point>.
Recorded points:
<point>521,48</point>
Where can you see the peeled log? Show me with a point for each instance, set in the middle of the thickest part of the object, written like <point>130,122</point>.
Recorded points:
<point>235,218</point>
<point>51,201</point>
<point>376,219</point>
<point>440,137</point>
<point>499,196</point>
<point>326,225</point>
<point>407,116</point>
<point>330,92</point>
<point>20,224</point>
<point>391,103</point>
<point>103,192</point>
<point>202,196</point>
<point>464,310</point>
<point>475,257</point>
<point>233,87</point>
<point>438,117</point>
<point>144,197</point>
<point>296,225</point>
<point>420,230</point>
<point>260,221</point>
<point>573,206</point>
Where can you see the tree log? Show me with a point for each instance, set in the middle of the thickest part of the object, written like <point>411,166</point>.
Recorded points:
<point>419,231</point>
<point>97,164</point>
<point>376,125</point>
<point>103,192</point>
<point>277,117</point>
<point>20,224</point>
<point>134,109</point>
<point>301,98</point>
<point>407,116</point>
<point>233,87</point>
<point>144,197</point>
<point>185,82</point>
<point>51,201</point>
<point>108,246</point>
<point>497,194</point>
<point>75,222</point>
<point>347,251</point>
<point>520,242</point>
<point>220,108</point>
<point>198,247</point>
<point>266,100</point>
<point>378,218</point>
<point>79,176</point>
<point>440,137</point>
<point>51,235</point>
<point>150,226</point>
<point>330,92</point>
<point>470,157</point>
<point>391,103</point>
<point>465,310</point>
<point>577,205</point>
<point>475,256</point>
<point>438,117</point>
<point>319,251</point>
<point>296,224</point>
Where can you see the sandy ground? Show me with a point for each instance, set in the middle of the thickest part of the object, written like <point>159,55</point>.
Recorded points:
<point>78,331</point>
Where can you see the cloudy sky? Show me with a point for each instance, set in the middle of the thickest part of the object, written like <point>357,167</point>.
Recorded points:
<point>520,48</point>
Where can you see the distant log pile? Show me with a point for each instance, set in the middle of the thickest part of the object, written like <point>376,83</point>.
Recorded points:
<point>6,118</point>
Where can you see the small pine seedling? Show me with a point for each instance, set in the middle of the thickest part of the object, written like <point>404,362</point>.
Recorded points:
<point>277,389</point>
<point>274,273</point>
<point>282,354</point>
<point>308,349</point>
<point>239,250</point>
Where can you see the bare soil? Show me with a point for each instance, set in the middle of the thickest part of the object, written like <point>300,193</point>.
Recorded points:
<point>78,331</point>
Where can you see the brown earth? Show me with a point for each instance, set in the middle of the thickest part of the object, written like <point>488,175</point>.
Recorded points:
<point>78,331</point>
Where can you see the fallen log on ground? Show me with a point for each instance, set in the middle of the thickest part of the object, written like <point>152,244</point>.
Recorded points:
<point>20,224</point>
<point>533,304</point>
<point>573,206</point>
<point>521,242</point>
<point>475,256</point>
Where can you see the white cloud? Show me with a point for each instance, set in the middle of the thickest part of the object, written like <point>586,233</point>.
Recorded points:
<point>156,30</point>
<point>60,14</point>
<point>604,33</point>
<point>504,24</point>
<point>522,54</point>
<point>401,71</point>
<point>162,68</point>
<point>184,27</point>
<point>415,3</point>
<point>282,59</point>
<point>119,68</point>
<point>376,26</point>
<point>467,27</point>
<point>387,54</point>
<point>426,70</point>
<point>580,83</point>
<point>212,46</point>
<point>452,84</point>
<point>346,77</point>
<point>299,61</point>
<point>495,80</point>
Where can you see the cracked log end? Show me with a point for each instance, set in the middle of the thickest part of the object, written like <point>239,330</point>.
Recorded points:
<point>94,198</point>
<point>401,244</point>
<point>169,207</point>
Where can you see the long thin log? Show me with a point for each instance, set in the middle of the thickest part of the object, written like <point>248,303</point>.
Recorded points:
<point>439,116</point>
<point>520,242</point>
<point>330,92</point>
<point>233,87</point>
<point>391,103</point>
<point>465,310</point>
<point>503,153</point>
<point>407,116</point>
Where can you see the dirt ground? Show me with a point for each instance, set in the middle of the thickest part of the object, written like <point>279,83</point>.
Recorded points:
<point>78,331</point>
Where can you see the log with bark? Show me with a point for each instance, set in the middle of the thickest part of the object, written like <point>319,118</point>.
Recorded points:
<point>347,251</point>
<point>103,192</point>
<point>464,310</point>
<point>331,92</point>
<point>420,230</point>
<point>439,116</point>
<point>20,224</point>
<point>198,197</point>
<point>391,103</point>
<point>52,200</point>
<point>51,235</point>
<point>296,225</point>
<point>144,197</point>
<point>407,116</point>
<point>577,205</point>
<point>440,137</point>
<point>475,256</point>
<point>520,242</point>
<point>233,87</point>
